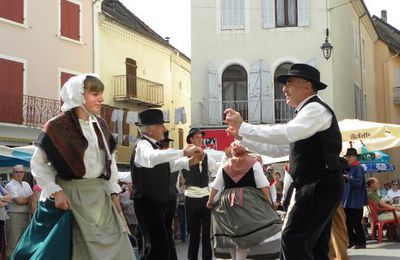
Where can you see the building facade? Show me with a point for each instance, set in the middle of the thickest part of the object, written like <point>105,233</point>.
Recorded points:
<point>240,47</point>
<point>38,53</point>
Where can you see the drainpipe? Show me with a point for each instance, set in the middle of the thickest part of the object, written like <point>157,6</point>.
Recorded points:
<point>361,61</point>
<point>94,25</point>
<point>385,90</point>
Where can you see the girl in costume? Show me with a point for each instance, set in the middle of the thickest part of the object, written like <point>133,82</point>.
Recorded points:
<point>243,221</point>
<point>74,164</point>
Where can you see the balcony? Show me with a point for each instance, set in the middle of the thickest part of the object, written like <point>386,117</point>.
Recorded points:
<point>212,112</point>
<point>396,95</point>
<point>27,110</point>
<point>144,92</point>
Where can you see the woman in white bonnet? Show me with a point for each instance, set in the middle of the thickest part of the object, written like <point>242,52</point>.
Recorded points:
<point>74,164</point>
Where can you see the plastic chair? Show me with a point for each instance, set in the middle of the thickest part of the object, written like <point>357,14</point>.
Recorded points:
<point>374,211</point>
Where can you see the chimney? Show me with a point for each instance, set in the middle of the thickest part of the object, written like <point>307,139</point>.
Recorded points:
<point>167,39</point>
<point>384,15</point>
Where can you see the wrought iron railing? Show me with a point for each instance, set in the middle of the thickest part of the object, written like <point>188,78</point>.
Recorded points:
<point>212,112</point>
<point>396,95</point>
<point>26,110</point>
<point>38,110</point>
<point>146,91</point>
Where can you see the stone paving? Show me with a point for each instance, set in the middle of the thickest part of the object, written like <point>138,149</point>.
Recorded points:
<point>384,251</point>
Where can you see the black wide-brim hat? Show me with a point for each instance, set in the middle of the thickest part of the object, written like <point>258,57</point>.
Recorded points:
<point>304,71</point>
<point>351,152</point>
<point>150,117</point>
<point>192,132</point>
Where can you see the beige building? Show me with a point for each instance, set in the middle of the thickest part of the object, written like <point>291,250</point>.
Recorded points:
<point>141,70</point>
<point>38,53</point>
<point>387,65</point>
<point>239,47</point>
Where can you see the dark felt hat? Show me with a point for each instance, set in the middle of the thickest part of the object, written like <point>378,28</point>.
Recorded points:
<point>304,71</point>
<point>192,132</point>
<point>166,140</point>
<point>150,117</point>
<point>351,152</point>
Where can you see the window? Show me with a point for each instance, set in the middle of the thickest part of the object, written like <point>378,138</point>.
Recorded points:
<point>283,113</point>
<point>234,89</point>
<point>286,13</point>
<point>65,77</point>
<point>232,14</point>
<point>11,91</point>
<point>12,10</point>
<point>70,20</point>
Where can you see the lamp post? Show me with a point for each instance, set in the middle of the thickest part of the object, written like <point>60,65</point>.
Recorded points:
<point>327,46</point>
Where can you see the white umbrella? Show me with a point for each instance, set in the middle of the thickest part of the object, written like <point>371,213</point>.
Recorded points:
<point>374,135</point>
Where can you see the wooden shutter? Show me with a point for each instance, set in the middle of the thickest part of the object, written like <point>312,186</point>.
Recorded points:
<point>65,77</point>
<point>303,11</point>
<point>70,20</point>
<point>106,112</point>
<point>12,10</point>
<point>214,95</point>
<point>267,93</point>
<point>255,92</point>
<point>131,90</point>
<point>11,91</point>
<point>268,13</point>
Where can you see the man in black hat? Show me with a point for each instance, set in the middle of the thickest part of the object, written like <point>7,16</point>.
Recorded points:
<point>315,143</point>
<point>355,197</point>
<point>151,169</point>
<point>198,216</point>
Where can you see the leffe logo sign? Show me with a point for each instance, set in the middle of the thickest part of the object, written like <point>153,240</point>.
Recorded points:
<point>360,135</point>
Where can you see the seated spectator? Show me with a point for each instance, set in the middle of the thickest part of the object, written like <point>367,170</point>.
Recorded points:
<point>393,193</point>
<point>384,190</point>
<point>279,190</point>
<point>373,186</point>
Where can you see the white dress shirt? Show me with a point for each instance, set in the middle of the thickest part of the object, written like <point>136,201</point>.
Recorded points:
<point>93,159</point>
<point>17,189</point>
<point>311,119</point>
<point>259,177</point>
<point>148,157</point>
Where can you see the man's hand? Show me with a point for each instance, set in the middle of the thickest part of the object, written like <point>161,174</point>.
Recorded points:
<point>209,204</point>
<point>233,118</point>
<point>234,132</point>
<point>3,204</point>
<point>191,150</point>
<point>196,159</point>
<point>62,201</point>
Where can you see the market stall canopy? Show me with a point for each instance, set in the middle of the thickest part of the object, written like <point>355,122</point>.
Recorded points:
<point>374,135</point>
<point>17,155</point>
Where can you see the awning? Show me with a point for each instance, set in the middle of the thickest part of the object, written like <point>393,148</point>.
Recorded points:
<point>10,157</point>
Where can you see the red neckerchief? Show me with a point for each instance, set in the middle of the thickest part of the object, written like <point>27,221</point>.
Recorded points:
<point>355,163</point>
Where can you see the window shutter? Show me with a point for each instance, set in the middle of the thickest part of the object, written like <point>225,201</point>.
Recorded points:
<point>65,77</point>
<point>214,95</point>
<point>70,20</point>
<point>11,91</point>
<point>254,91</point>
<point>398,77</point>
<point>268,13</point>
<point>125,140</point>
<point>12,10</point>
<point>267,94</point>
<point>355,43</point>
<point>357,102</point>
<point>303,9</point>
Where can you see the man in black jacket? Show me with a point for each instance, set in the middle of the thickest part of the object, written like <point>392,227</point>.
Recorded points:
<point>315,143</point>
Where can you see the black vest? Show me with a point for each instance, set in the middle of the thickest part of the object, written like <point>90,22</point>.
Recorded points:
<point>150,183</point>
<point>246,181</point>
<point>317,156</point>
<point>196,178</point>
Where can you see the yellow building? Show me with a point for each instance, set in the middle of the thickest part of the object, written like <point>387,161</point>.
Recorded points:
<point>387,71</point>
<point>141,70</point>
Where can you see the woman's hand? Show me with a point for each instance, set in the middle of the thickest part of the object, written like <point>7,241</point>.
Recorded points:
<point>62,201</point>
<point>209,204</point>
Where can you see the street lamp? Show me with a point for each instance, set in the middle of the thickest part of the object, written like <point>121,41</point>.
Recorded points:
<point>327,46</point>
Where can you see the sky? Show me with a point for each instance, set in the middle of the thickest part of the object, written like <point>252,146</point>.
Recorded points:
<point>171,18</point>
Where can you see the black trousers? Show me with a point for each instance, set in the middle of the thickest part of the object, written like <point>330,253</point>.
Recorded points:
<point>355,229</point>
<point>308,229</point>
<point>169,218</point>
<point>198,217</point>
<point>152,218</point>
